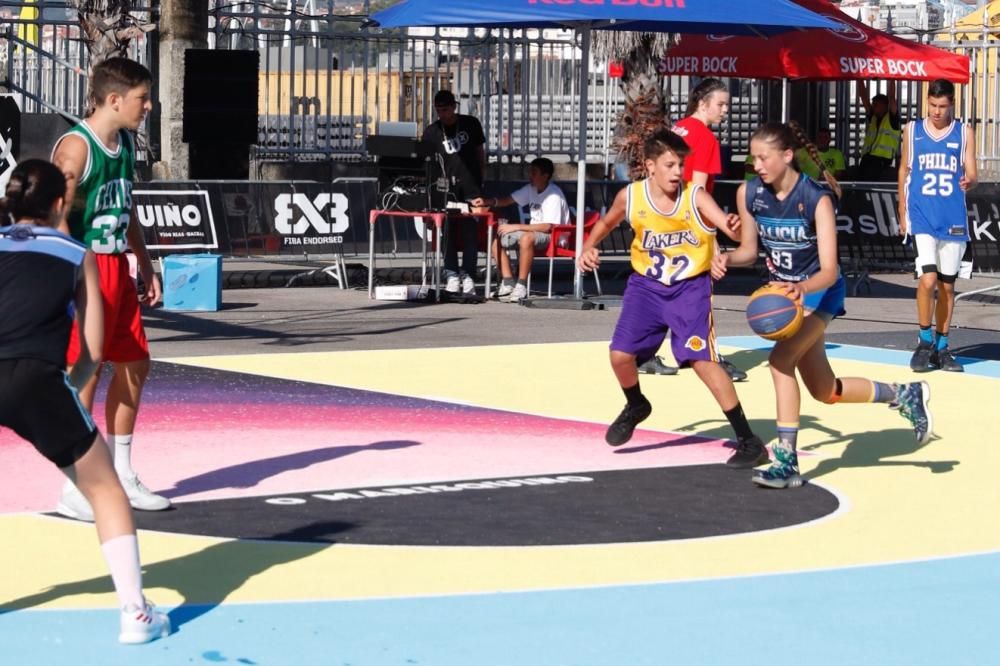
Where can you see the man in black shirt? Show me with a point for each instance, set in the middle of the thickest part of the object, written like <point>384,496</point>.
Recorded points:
<point>461,145</point>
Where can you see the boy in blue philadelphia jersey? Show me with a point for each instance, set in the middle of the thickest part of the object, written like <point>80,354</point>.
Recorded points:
<point>794,217</point>
<point>938,168</point>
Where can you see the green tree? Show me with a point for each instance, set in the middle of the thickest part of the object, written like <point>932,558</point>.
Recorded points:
<point>107,27</point>
<point>645,106</point>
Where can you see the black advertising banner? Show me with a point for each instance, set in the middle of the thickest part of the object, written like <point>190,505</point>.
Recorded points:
<point>250,219</point>
<point>260,219</point>
<point>868,232</point>
<point>176,219</point>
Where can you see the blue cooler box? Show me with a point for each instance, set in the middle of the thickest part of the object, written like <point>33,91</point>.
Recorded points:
<point>192,282</point>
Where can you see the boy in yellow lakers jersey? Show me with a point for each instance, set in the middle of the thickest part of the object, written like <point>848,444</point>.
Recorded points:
<point>671,288</point>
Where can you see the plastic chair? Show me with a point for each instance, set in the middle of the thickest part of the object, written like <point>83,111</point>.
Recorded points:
<point>563,244</point>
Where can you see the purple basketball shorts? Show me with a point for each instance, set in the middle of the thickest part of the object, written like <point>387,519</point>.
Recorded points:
<point>651,309</point>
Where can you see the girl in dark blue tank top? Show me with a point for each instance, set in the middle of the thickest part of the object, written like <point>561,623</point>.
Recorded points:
<point>43,272</point>
<point>794,218</point>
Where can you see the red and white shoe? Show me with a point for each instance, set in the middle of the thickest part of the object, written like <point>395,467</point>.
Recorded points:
<point>142,625</point>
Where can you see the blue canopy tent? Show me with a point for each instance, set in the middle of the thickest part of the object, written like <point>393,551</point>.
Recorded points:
<point>729,17</point>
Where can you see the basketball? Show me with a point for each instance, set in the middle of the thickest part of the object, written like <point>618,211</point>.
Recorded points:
<point>772,314</point>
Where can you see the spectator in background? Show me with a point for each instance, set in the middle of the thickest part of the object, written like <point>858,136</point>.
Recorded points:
<point>547,207</point>
<point>882,135</point>
<point>832,158</point>
<point>460,143</point>
<point>708,104</point>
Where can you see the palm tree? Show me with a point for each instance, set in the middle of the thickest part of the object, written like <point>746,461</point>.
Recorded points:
<point>108,26</point>
<point>645,106</point>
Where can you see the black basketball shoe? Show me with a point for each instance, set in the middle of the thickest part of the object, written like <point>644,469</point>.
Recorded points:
<point>749,453</point>
<point>621,430</point>
<point>734,373</point>
<point>656,366</point>
<point>921,359</point>
<point>943,359</point>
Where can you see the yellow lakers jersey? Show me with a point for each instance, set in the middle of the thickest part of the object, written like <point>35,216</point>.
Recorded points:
<point>669,246</point>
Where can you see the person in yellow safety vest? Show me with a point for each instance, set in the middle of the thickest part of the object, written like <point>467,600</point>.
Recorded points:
<point>832,158</point>
<point>882,135</point>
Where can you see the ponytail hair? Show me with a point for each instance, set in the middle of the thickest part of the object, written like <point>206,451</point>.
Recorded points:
<point>33,188</point>
<point>801,137</point>
<point>704,90</point>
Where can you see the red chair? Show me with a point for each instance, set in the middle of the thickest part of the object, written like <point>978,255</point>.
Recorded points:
<point>563,244</point>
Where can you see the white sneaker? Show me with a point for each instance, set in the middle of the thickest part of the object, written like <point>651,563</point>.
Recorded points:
<point>468,286</point>
<point>142,625</point>
<point>504,290</point>
<point>139,496</point>
<point>451,283</point>
<point>518,294</point>
<point>73,504</point>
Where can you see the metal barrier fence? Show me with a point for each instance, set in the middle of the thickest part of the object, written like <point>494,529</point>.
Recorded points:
<point>306,218</point>
<point>327,80</point>
<point>45,61</point>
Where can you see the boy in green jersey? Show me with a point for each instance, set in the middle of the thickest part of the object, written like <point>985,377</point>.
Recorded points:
<point>97,158</point>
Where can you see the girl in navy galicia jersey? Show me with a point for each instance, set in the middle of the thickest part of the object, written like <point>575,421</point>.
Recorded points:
<point>938,167</point>
<point>47,278</point>
<point>794,217</point>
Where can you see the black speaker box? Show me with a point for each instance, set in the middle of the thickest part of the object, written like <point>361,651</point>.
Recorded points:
<point>10,124</point>
<point>220,96</point>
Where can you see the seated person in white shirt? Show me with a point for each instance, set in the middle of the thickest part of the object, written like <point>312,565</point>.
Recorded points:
<point>547,206</point>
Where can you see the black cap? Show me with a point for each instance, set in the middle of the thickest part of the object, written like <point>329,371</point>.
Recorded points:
<point>444,98</point>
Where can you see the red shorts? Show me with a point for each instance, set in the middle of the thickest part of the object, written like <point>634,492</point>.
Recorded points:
<point>124,336</point>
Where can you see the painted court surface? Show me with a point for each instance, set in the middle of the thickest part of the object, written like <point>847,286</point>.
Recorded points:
<point>381,507</point>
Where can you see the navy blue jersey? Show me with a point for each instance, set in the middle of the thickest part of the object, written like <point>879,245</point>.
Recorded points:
<point>935,204</point>
<point>39,271</point>
<point>787,228</point>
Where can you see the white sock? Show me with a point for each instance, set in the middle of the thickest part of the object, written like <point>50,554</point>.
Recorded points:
<point>122,555</point>
<point>123,455</point>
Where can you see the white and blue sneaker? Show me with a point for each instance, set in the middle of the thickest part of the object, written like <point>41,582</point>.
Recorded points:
<point>783,472</point>
<point>912,402</point>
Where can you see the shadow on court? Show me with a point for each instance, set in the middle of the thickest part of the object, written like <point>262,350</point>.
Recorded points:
<point>249,474</point>
<point>865,449</point>
<point>870,449</point>
<point>976,353</point>
<point>764,428</point>
<point>203,579</point>
<point>284,328</point>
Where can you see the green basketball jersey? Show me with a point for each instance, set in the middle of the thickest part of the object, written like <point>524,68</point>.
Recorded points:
<point>102,206</point>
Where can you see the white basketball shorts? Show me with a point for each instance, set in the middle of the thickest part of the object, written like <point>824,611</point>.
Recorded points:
<point>945,254</point>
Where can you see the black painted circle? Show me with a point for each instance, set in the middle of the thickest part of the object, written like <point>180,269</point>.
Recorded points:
<point>636,505</point>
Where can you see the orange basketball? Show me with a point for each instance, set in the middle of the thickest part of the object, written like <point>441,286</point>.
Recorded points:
<point>772,314</point>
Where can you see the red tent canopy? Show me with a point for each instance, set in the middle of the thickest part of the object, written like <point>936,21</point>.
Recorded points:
<point>853,51</point>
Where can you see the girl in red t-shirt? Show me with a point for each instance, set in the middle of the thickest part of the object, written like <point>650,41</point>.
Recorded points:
<point>708,104</point>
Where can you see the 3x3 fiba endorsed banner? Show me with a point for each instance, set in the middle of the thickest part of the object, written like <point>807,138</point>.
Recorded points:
<point>244,219</point>
<point>239,218</point>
